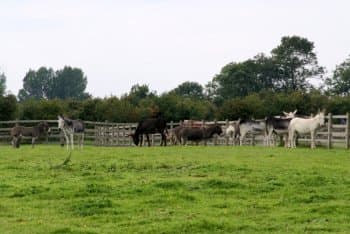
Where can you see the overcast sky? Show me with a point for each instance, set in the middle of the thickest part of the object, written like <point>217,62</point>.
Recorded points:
<point>161,43</point>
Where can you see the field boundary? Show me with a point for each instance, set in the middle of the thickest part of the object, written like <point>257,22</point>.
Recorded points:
<point>335,132</point>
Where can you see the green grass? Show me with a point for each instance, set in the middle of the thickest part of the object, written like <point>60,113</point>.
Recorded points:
<point>174,190</point>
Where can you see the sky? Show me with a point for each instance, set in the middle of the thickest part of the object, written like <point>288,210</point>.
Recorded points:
<point>161,43</point>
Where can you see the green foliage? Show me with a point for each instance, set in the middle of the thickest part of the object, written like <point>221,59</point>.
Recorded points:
<point>42,109</point>
<point>8,107</point>
<point>289,68</point>
<point>2,84</point>
<point>37,84</point>
<point>47,84</point>
<point>339,84</point>
<point>174,190</point>
<point>138,93</point>
<point>69,83</point>
<point>297,62</point>
<point>190,90</point>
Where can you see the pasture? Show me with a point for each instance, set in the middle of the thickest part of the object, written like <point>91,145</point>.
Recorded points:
<point>174,190</point>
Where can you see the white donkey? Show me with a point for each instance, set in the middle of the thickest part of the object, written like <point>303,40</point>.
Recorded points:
<point>231,132</point>
<point>303,126</point>
<point>71,127</point>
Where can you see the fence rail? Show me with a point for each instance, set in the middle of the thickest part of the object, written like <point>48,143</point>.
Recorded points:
<point>334,133</point>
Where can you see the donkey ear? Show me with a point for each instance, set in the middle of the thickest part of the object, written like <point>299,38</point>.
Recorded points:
<point>295,111</point>
<point>285,113</point>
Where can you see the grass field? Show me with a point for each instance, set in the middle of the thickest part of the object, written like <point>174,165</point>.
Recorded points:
<point>174,190</point>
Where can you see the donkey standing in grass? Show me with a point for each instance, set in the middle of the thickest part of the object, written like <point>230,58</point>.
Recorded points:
<point>71,127</point>
<point>303,126</point>
<point>199,134</point>
<point>232,131</point>
<point>35,132</point>
<point>278,126</point>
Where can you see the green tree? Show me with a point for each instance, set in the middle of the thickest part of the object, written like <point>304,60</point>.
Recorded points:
<point>297,62</point>
<point>45,83</point>
<point>236,80</point>
<point>339,84</point>
<point>37,84</point>
<point>244,78</point>
<point>8,107</point>
<point>138,93</point>
<point>69,83</point>
<point>189,89</point>
<point>2,84</point>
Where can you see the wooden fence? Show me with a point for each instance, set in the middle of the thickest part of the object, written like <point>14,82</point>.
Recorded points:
<point>334,133</point>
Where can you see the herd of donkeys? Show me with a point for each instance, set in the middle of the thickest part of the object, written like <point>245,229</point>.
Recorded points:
<point>285,127</point>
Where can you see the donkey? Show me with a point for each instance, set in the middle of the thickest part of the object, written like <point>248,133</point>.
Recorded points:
<point>303,126</point>
<point>150,126</point>
<point>232,132</point>
<point>278,126</point>
<point>174,135</point>
<point>199,134</point>
<point>251,126</point>
<point>70,128</point>
<point>34,132</point>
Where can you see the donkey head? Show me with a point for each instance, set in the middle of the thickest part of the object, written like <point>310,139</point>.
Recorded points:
<point>44,127</point>
<point>60,122</point>
<point>135,138</point>
<point>290,114</point>
<point>217,130</point>
<point>320,117</point>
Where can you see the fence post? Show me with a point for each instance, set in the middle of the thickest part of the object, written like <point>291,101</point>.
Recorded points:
<point>123,134</point>
<point>227,137</point>
<point>203,125</point>
<point>96,138</point>
<point>130,130</point>
<point>347,131</point>
<point>329,128</point>
<point>117,134</point>
<point>216,136</point>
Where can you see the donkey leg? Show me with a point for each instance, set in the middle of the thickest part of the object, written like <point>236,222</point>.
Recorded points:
<point>33,141</point>
<point>165,141</point>
<point>241,139</point>
<point>82,140</point>
<point>72,141</point>
<point>13,142</point>
<point>149,143</point>
<point>67,141</point>
<point>289,139</point>
<point>18,141</point>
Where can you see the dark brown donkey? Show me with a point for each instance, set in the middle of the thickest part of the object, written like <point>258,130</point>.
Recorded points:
<point>35,132</point>
<point>198,134</point>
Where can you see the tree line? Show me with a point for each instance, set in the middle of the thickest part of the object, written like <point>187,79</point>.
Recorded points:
<point>260,86</point>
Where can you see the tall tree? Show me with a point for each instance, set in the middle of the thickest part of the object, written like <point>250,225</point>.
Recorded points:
<point>2,84</point>
<point>68,83</point>
<point>8,107</point>
<point>297,62</point>
<point>339,84</point>
<point>189,89</point>
<point>37,84</point>
<point>244,78</point>
<point>45,83</point>
<point>138,93</point>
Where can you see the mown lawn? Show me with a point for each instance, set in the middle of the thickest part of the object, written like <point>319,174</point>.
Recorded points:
<point>174,190</point>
